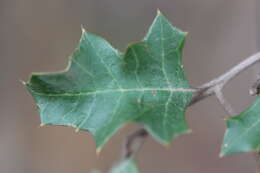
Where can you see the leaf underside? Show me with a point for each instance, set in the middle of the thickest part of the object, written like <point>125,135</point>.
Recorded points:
<point>243,131</point>
<point>102,89</point>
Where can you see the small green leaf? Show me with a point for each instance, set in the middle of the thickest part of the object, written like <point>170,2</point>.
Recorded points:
<point>243,131</point>
<point>102,89</point>
<point>125,166</point>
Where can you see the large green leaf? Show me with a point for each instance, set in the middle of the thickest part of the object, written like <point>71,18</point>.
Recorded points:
<point>125,166</point>
<point>102,89</point>
<point>243,131</point>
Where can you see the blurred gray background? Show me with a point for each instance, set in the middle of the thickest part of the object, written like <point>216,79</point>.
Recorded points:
<point>37,35</point>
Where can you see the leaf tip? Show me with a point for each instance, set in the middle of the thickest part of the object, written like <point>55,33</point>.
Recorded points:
<point>23,82</point>
<point>83,30</point>
<point>224,150</point>
<point>186,33</point>
<point>42,124</point>
<point>158,11</point>
<point>166,144</point>
<point>225,118</point>
<point>221,154</point>
<point>77,130</point>
<point>188,131</point>
<point>98,150</point>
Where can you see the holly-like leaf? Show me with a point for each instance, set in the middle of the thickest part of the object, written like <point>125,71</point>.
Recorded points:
<point>102,89</point>
<point>125,166</point>
<point>243,131</point>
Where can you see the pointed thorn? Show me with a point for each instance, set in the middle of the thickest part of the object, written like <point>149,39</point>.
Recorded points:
<point>42,124</point>
<point>221,155</point>
<point>23,82</point>
<point>186,33</point>
<point>167,144</point>
<point>189,131</point>
<point>158,11</point>
<point>82,29</point>
<point>98,150</point>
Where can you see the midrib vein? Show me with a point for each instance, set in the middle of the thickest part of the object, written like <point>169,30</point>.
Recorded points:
<point>117,90</point>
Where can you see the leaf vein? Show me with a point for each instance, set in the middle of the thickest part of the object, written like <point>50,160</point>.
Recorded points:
<point>104,64</point>
<point>136,68</point>
<point>89,112</point>
<point>80,66</point>
<point>163,54</point>
<point>117,90</point>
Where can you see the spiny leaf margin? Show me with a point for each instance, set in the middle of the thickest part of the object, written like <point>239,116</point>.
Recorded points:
<point>178,101</point>
<point>243,131</point>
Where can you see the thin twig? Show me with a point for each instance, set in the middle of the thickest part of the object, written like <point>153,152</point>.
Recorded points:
<point>214,87</point>
<point>210,87</point>
<point>134,142</point>
<point>225,104</point>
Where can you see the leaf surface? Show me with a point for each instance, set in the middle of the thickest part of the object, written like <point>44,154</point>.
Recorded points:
<point>243,131</point>
<point>102,89</point>
<point>125,166</point>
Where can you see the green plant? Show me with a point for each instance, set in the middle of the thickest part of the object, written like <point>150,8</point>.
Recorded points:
<point>102,89</point>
